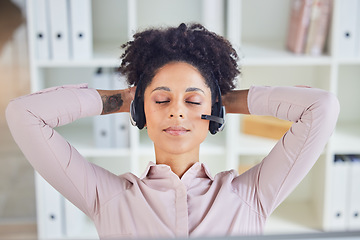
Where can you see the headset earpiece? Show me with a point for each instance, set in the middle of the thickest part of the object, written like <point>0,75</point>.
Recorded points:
<point>137,113</point>
<point>219,111</point>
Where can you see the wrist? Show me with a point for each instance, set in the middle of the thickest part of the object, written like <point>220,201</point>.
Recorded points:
<point>115,101</point>
<point>236,101</point>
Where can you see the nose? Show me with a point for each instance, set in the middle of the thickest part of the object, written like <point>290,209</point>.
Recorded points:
<point>172,115</point>
<point>176,110</point>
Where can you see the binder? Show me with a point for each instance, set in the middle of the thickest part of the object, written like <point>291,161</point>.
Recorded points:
<point>233,18</point>
<point>81,29</point>
<point>338,221</point>
<point>121,120</point>
<point>357,38</point>
<point>299,25</point>
<point>348,10</point>
<point>77,224</point>
<point>42,37</point>
<point>103,133</point>
<point>213,15</point>
<point>59,29</point>
<point>318,29</point>
<point>49,210</point>
<point>354,193</point>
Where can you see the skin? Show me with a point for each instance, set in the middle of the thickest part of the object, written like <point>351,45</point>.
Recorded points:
<point>174,102</point>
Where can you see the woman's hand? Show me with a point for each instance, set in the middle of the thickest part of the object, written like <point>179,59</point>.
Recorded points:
<point>115,101</point>
<point>236,101</point>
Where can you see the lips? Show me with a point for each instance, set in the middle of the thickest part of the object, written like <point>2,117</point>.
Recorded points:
<point>176,130</point>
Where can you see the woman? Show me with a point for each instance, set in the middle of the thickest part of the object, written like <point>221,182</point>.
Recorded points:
<point>183,76</point>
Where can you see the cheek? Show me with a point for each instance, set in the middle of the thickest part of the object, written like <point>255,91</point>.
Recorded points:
<point>204,125</point>
<point>202,132</point>
<point>200,126</point>
<point>153,118</point>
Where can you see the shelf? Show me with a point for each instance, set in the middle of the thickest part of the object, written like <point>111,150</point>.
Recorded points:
<point>251,54</point>
<point>104,55</point>
<point>349,61</point>
<point>271,53</point>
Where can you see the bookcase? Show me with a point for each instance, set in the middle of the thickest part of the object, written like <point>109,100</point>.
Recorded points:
<point>258,31</point>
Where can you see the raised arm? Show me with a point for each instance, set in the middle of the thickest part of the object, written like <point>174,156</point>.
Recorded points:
<point>32,120</point>
<point>314,114</point>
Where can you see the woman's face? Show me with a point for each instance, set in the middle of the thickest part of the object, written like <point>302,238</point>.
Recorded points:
<point>173,103</point>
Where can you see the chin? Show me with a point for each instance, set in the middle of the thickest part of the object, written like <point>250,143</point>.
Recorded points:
<point>179,147</point>
<point>178,144</point>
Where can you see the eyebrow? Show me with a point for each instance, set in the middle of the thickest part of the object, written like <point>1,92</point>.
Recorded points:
<point>161,88</point>
<point>194,89</point>
<point>190,89</point>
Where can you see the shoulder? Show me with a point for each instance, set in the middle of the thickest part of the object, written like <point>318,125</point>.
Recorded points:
<point>225,176</point>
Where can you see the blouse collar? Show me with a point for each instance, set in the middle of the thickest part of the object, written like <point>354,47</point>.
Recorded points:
<point>161,171</point>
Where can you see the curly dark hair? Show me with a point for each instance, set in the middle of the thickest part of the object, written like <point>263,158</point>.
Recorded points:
<point>151,49</point>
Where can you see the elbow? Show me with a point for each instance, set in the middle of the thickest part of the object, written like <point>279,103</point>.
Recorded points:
<point>15,114</point>
<point>327,109</point>
<point>329,104</point>
<point>12,112</point>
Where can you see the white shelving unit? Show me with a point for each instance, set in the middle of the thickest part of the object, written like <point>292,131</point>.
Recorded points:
<point>258,30</point>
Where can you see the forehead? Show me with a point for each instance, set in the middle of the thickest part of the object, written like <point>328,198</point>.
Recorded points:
<point>178,74</point>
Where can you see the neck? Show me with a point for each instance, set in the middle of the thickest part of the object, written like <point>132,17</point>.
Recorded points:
<point>179,163</point>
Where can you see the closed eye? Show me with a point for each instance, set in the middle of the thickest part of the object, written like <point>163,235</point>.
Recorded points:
<point>160,102</point>
<point>196,103</point>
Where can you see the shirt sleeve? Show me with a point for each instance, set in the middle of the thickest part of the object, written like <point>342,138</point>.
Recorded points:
<point>32,119</point>
<point>314,113</point>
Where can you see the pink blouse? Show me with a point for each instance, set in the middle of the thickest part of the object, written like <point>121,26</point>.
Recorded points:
<point>160,204</point>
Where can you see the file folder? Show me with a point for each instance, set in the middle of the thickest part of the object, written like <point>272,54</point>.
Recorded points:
<point>103,132</point>
<point>81,29</point>
<point>77,224</point>
<point>357,38</point>
<point>49,210</point>
<point>59,29</point>
<point>354,193</point>
<point>42,37</point>
<point>122,130</point>
<point>348,11</point>
<point>339,185</point>
<point>213,15</point>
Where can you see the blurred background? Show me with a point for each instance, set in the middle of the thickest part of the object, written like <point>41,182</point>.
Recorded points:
<point>17,186</point>
<point>45,43</point>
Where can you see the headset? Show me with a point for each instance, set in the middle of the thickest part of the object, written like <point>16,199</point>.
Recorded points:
<point>216,119</point>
